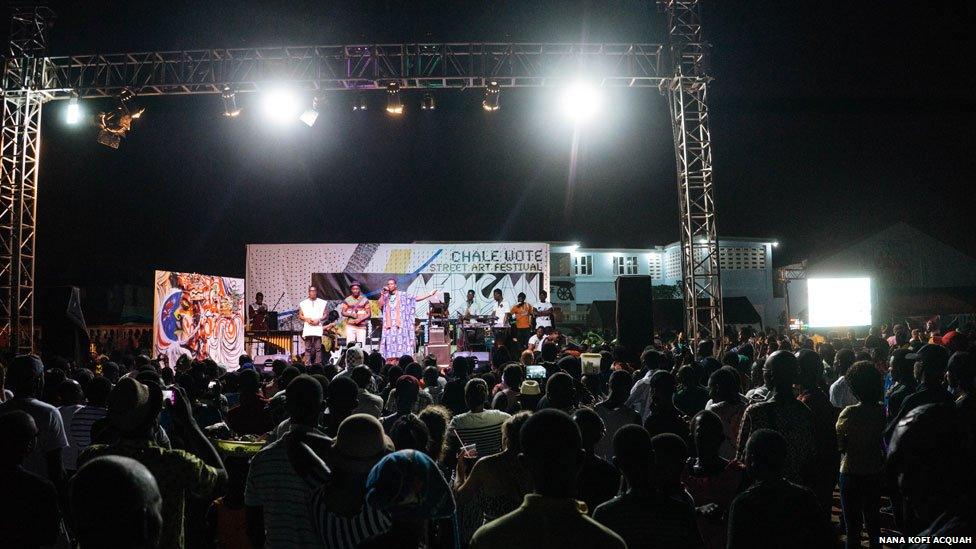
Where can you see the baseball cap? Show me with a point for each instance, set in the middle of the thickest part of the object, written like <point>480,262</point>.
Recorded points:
<point>930,353</point>
<point>955,341</point>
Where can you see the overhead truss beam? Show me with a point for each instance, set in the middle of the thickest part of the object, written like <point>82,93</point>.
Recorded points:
<point>344,67</point>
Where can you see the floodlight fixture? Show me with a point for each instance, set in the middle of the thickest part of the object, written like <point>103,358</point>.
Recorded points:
<point>360,103</point>
<point>580,101</point>
<point>229,96</point>
<point>115,124</point>
<point>281,105</point>
<point>394,103</point>
<point>72,114</point>
<point>428,103</point>
<point>312,113</point>
<point>492,98</point>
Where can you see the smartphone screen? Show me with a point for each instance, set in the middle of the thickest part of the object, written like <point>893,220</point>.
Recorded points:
<point>169,396</point>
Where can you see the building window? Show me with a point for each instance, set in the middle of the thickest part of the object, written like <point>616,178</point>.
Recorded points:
<point>654,267</point>
<point>673,265</point>
<point>740,258</point>
<point>625,265</point>
<point>582,265</point>
<point>560,263</point>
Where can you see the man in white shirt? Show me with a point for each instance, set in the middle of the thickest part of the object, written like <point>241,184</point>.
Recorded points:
<point>311,311</point>
<point>500,310</point>
<point>543,312</point>
<point>25,377</point>
<point>469,309</point>
<point>841,395</point>
<point>537,339</point>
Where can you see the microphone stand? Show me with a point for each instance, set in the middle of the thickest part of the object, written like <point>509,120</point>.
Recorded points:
<point>282,296</point>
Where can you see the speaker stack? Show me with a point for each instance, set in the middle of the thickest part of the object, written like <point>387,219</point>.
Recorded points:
<point>635,313</point>
<point>439,346</point>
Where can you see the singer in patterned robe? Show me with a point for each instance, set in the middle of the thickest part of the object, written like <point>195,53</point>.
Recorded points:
<point>399,311</point>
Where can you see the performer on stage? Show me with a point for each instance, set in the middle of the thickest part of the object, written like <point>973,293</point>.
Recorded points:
<point>500,310</point>
<point>543,312</point>
<point>399,312</point>
<point>355,310</point>
<point>501,314</point>
<point>311,311</point>
<point>522,312</point>
<point>469,309</point>
<point>258,313</point>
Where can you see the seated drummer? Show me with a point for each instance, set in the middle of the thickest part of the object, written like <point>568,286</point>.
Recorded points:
<point>258,313</point>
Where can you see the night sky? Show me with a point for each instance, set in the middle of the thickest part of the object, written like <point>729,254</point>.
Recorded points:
<point>829,120</point>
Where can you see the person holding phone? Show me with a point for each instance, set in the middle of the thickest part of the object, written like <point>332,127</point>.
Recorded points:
<point>133,413</point>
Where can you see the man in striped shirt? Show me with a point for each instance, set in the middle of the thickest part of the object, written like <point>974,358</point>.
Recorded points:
<point>80,428</point>
<point>480,427</point>
<point>276,498</point>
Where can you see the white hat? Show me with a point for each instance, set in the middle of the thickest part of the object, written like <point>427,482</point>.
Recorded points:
<point>530,387</point>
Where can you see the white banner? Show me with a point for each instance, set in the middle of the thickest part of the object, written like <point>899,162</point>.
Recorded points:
<point>286,270</point>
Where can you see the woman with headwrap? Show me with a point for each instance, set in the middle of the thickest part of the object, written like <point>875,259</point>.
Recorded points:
<point>408,487</point>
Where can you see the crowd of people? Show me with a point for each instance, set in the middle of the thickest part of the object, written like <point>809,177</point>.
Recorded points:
<point>665,447</point>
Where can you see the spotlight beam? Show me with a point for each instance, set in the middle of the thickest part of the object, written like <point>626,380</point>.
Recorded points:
<point>281,106</point>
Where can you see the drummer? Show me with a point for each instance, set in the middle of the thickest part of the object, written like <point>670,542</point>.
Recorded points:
<point>258,313</point>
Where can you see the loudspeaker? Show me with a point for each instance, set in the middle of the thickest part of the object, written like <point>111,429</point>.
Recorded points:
<point>635,313</point>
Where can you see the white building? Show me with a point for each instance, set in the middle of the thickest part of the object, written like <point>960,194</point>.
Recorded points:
<point>580,275</point>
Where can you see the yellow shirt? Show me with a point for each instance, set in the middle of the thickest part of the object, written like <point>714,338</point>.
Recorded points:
<point>859,434</point>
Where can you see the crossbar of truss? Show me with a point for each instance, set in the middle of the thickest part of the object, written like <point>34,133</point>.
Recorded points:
<point>345,67</point>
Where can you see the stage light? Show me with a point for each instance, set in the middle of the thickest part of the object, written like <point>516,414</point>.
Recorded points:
<point>428,103</point>
<point>115,125</point>
<point>580,101</point>
<point>231,110</point>
<point>311,114</point>
<point>73,113</point>
<point>359,103</point>
<point>493,94</point>
<point>281,105</point>
<point>394,104</point>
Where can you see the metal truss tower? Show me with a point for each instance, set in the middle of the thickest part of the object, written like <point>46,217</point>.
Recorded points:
<point>20,139</point>
<point>687,97</point>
